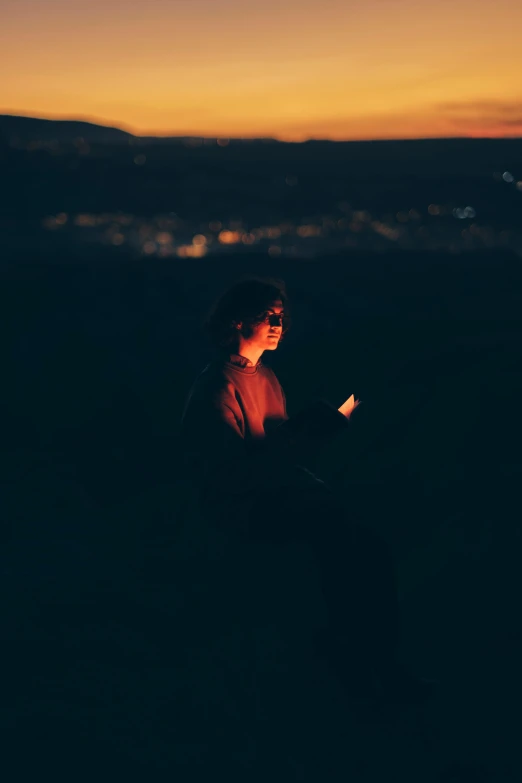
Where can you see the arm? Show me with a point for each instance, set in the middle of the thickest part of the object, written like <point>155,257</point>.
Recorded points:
<point>313,427</point>
<point>215,449</point>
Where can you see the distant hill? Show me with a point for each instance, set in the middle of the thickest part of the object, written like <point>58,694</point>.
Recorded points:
<point>24,130</point>
<point>27,129</point>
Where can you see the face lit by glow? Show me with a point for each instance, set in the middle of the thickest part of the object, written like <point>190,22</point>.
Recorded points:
<point>265,335</point>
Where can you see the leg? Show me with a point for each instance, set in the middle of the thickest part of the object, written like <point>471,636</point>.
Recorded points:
<point>355,567</point>
<point>359,586</point>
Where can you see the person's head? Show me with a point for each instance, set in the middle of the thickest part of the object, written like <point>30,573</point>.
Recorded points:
<point>250,317</point>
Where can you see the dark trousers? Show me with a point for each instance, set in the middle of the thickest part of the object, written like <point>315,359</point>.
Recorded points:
<point>354,563</point>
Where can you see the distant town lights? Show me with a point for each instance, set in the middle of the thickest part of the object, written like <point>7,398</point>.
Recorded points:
<point>164,238</point>
<point>229,237</point>
<point>462,214</point>
<point>191,251</point>
<point>149,248</point>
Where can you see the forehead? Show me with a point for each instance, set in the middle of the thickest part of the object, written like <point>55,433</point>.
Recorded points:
<point>275,306</point>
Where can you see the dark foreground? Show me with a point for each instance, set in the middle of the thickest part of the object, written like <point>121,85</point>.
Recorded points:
<point>135,639</point>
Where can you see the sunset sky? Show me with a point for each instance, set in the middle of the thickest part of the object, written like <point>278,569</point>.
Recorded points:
<point>290,69</point>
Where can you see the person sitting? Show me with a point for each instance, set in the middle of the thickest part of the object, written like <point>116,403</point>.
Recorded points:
<point>247,459</point>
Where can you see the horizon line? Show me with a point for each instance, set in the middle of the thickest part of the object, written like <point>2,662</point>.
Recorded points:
<point>155,135</point>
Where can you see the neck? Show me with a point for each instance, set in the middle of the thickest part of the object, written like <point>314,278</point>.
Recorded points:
<point>250,352</point>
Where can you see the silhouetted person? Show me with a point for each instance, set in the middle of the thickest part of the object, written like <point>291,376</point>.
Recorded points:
<point>247,458</point>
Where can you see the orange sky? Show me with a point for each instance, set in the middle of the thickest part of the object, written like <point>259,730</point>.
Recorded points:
<point>290,69</point>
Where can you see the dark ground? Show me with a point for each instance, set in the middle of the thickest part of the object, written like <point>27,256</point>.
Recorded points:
<point>136,640</point>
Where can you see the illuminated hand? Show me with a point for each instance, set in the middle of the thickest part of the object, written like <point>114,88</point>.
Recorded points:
<point>348,407</point>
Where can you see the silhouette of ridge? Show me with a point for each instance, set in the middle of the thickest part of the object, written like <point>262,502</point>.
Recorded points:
<point>25,129</point>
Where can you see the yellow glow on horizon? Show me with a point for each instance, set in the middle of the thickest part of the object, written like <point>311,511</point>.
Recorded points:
<point>289,70</point>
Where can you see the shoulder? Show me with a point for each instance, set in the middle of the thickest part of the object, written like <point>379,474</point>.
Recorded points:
<point>269,374</point>
<point>264,368</point>
<point>214,384</point>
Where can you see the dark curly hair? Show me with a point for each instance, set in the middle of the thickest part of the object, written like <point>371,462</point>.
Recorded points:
<point>245,301</point>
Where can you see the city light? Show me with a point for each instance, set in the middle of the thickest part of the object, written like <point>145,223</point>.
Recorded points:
<point>229,237</point>
<point>432,225</point>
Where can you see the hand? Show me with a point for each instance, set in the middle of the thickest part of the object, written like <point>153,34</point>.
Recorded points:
<point>348,407</point>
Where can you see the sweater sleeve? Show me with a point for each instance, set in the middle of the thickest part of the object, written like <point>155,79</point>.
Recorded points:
<point>216,451</point>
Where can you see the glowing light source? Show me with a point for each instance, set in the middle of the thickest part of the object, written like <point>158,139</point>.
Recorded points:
<point>55,221</point>
<point>191,251</point>
<point>309,231</point>
<point>462,214</point>
<point>149,248</point>
<point>85,220</point>
<point>229,237</point>
<point>508,177</point>
<point>384,230</point>
<point>164,238</point>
